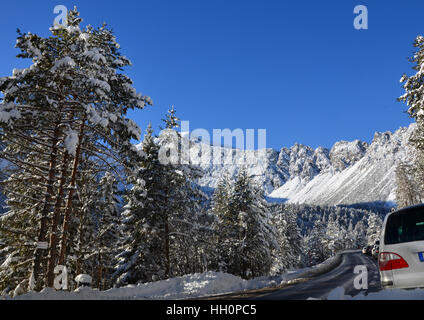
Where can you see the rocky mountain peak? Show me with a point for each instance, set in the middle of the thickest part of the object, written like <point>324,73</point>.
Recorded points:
<point>344,154</point>
<point>349,173</point>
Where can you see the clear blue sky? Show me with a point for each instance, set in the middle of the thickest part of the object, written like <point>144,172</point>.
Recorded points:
<point>296,68</point>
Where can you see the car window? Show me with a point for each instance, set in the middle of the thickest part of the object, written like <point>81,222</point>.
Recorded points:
<point>405,227</point>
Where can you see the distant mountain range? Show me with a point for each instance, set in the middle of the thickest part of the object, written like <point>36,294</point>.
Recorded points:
<point>355,173</point>
<point>350,173</point>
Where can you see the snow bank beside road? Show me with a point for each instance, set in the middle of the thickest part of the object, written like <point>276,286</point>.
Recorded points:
<point>314,271</point>
<point>186,287</point>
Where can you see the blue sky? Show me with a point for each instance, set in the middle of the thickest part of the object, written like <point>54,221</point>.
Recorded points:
<point>298,69</point>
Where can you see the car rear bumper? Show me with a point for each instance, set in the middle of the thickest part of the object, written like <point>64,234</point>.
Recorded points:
<point>394,280</point>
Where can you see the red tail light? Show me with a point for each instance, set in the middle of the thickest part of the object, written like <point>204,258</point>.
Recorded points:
<point>391,261</point>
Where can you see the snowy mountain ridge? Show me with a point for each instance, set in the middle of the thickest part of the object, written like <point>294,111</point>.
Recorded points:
<point>358,173</point>
<point>350,173</point>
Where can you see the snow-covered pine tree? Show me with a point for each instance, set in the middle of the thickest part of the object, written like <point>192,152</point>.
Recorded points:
<point>418,175</point>
<point>295,239</point>
<point>246,239</point>
<point>374,225</point>
<point>259,241</point>
<point>17,234</point>
<point>360,232</point>
<point>413,97</point>
<point>283,257</point>
<point>333,235</point>
<point>221,196</point>
<point>226,230</point>
<point>168,206</point>
<point>290,241</point>
<point>187,227</point>
<point>187,230</point>
<point>407,192</point>
<point>83,227</point>
<point>132,248</point>
<point>414,92</point>
<point>108,236</point>
<point>220,224</point>
<point>316,243</point>
<point>142,256</point>
<point>25,194</point>
<point>71,101</point>
<point>171,120</point>
<point>95,224</point>
<point>350,238</point>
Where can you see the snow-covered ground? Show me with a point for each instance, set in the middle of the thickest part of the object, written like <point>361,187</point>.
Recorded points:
<point>214,283</point>
<point>186,287</point>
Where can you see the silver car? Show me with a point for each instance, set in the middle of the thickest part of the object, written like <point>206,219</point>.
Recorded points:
<point>401,256</point>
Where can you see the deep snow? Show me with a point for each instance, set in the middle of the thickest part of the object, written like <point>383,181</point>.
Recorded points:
<point>178,288</point>
<point>214,283</point>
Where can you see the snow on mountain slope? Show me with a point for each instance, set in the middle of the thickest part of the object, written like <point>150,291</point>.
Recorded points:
<point>261,166</point>
<point>359,173</point>
<point>350,173</point>
<point>216,161</point>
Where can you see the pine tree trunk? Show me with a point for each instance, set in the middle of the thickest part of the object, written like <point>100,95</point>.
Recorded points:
<point>80,254</point>
<point>100,269</point>
<point>39,253</point>
<point>68,208</point>
<point>167,261</point>
<point>55,223</point>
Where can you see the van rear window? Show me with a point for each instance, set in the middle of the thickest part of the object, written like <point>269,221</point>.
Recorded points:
<point>405,226</point>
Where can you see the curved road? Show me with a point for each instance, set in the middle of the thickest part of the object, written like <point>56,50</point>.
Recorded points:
<point>320,286</point>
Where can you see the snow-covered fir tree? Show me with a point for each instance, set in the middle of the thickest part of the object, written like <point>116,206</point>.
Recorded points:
<point>413,97</point>
<point>246,238</point>
<point>374,228</point>
<point>108,235</point>
<point>188,223</point>
<point>171,120</point>
<point>72,101</point>
<point>316,244</point>
<point>407,187</point>
<point>142,256</point>
<point>161,221</point>
<point>414,91</point>
<point>290,253</point>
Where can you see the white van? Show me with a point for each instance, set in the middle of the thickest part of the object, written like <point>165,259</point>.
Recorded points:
<point>401,257</point>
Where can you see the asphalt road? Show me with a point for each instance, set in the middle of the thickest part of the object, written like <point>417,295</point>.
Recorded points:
<point>320,286</point>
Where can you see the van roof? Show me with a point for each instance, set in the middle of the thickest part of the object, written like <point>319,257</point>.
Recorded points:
<point>407,209</point>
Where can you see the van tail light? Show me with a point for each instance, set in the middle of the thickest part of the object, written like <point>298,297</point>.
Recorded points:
<point>391,261</point>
